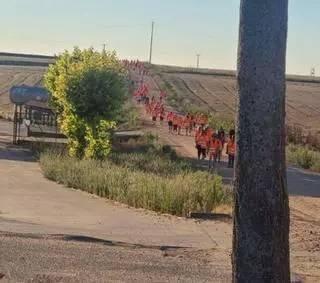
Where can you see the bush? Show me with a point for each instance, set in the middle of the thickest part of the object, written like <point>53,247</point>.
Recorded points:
<point>129,117</point>
<point>303,157</point>
<point>155,183</point>
<point>297,135</point>
<point>88,89</point>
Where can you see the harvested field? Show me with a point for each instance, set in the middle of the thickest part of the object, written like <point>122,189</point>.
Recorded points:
<point>14,75</point>
<point>211,89</point>
<point>215,91</point>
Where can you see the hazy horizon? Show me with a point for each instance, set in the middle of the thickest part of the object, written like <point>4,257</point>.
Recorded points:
<point>208,28</point>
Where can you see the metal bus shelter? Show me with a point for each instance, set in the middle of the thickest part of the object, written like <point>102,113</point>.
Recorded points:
<point>31,110</point>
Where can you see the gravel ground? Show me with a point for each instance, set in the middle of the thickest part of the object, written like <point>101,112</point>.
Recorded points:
<point>31,258</point>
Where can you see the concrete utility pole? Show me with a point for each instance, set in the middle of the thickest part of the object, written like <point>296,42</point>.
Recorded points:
<point>261,206</point>
<point>313,72</point>
<point>151,42</point>
<point>104,47</point>
<point>198,60</point>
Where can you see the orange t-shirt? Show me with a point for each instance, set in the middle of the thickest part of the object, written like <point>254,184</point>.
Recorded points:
<point>186,122</point>
<point>175,121</point>
<point>215,145</point>
<point>202,120</point>
<point>231,147</point>
<point>202,141</point>
<point>209,133</point>
<point>197,135</point>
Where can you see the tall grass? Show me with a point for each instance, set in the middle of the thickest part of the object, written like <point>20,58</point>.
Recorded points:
<point>144,175</point>
<point>296,135</point>
<point>303,157</point>
<point>129,117</point>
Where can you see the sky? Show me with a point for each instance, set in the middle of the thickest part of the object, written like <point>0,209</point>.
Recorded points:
<point>183,29</point>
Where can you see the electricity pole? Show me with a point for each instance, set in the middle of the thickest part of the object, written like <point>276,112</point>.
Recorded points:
<point>104,47</point>
<point>198,60</point>
<point>313,72</point>
<point>151,42</point>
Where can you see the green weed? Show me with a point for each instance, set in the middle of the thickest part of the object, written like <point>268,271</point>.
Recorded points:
<point>303,157</point>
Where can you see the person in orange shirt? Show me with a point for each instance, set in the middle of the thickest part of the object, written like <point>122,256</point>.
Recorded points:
<point>175,124</point>
<point>197,134</point>
<point>162,115</point>
<point>209,133</point>
<point>192,123</point>
<point>154,114</point>
<point>202,144</point>
<point>202,120</point>
<point>214,148</point>
<point>186,123</point>
<point>180,123</point>
<point>231,151</point>
<point>170,117</point>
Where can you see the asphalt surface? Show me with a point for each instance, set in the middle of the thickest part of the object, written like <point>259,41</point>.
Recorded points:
<point>33,258</point>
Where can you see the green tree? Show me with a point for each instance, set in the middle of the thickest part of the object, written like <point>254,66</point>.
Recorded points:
<point>88,89</point>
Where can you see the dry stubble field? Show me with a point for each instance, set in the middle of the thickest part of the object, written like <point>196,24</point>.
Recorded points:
<point>16,75</point>
<point>216,92</point>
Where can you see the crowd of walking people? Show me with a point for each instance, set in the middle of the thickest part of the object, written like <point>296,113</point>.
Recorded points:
<point>209,142</point>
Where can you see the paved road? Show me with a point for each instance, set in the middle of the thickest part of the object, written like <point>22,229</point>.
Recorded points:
<point>26,258</point>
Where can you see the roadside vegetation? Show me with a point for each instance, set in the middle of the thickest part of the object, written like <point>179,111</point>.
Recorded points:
<point>303,157</point>
<point>128,118</point>
<point>142,174</point>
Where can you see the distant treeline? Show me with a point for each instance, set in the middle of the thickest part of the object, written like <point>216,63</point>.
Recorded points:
<point>27,55</point>
<point>31,60</point>
<point>24,63</point>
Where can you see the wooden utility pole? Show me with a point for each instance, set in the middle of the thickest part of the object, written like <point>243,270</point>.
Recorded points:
<point>198,60</point>
<point>261,209</point>
<point>151,42</point>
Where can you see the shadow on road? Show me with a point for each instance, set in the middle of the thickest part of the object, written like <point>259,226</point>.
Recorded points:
<point>88,239</point>
<point>15,153</point>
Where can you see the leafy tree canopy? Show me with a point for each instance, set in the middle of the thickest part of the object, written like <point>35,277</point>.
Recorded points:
<point>88,89</point>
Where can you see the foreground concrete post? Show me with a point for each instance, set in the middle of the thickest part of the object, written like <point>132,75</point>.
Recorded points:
<point>261,210</point>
